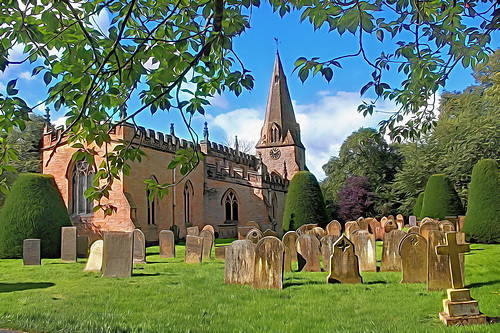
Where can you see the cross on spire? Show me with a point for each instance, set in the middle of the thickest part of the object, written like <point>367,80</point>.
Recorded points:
<point>452,250</point>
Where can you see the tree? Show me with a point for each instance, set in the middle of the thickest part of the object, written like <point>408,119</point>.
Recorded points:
<point>244,145</point>
<point>482,218</point>
<point>440,198</point>
<point>34,209</point>
<point>417,209</point>
<point>355,198</point>
<point>304,202</point>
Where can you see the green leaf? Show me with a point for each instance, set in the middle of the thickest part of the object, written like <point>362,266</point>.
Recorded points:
<point>10,87</point>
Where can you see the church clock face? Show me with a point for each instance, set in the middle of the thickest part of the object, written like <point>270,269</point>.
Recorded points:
<point>275,153</point>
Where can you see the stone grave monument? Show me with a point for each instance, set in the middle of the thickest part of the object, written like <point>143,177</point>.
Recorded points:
<point>167,244</point>
<point>364,244</point>
<point>327,250</point>
<point>290,241</point>
<point>192,231</point>
<point>413,252</point>
<point>208,240</point>
<point>254,235</point>
<point>94,263</point>
<point>427,226</point>
<point>268,264</point>
<point>308,253</point>
<point>239,262</point>
<point>391,260</point>
<point>334,228</point>
<point>82,246</point>
<point>68,244</point>
<point>194,249</point>
<point>139,253</point>
<point>344,266</point>
<point>117,254</point>
<point>31,252</point>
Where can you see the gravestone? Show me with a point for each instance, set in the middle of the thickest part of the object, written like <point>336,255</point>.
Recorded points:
<point>94,263</point>
<point>334,228</point>
<point>167,244</point>
<point>287,265</point>
<point>239,262</point>
<point>362,223</point>
<point>175,230</point>
<point>220,252</point>
<point>268,264</point>
<point>460,223</point>
<point>209,227</point>
<point>379,233</point>
<point>290,241</point>
<point>344,266</point>
<point>372,224</point>
<point>413,220</point>
<point>253,225</point>
<point>194,249</point>
<point>400,221</point>
<point>255,235</point>
<point>193,231</point>
<point>327,250</point>
<point>426,227</point>
<point>318,232</point>
<point>391,260</point>
<point>427,219</point>
<point>68,244</point>
<point>139,254</point>
<point>365,249</point>
<point>413,252</point>
<point>350,226</point>
<point>446,226</point>
<point>414,230</point>
<point>270,232</point>
<point>306,228</point>
<point>243,231</point>
<point>308,253</point>
<point>390,225</point>
<point>208,240</point>
<point>383,221</point>
<point>82,246</point>
<point>31,252</point>
<point>117,254</point>
<point>438,266</point>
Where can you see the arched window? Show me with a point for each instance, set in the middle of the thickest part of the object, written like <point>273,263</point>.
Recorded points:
<point>188,194</point>
<point>152,205</point>
<point>81,179</point>
<point>231,206</point>
<point>275,133</point>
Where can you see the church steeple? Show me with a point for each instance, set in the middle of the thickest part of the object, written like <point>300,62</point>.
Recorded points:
<point>280,143</point>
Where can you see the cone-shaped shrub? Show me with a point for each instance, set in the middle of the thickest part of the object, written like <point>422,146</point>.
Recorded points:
<point>304,202</point>
<point>440,198</point>
<point>417,209</point>
<point>482,220</point>
<point>33,209</point>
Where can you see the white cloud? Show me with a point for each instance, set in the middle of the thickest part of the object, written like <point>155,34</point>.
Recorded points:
<point>60,122</point>
<point>2,87</point>
<point>101,22</point>
<point>27,76</point>
<point>219,101</point>
<point>245,123</point>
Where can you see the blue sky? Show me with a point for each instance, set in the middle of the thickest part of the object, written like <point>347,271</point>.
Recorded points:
<point>325,111</point>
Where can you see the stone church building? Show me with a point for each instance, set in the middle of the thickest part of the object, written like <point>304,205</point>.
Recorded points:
<point>227,189</point>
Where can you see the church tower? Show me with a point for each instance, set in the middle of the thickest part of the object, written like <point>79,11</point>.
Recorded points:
<point>279,147</point>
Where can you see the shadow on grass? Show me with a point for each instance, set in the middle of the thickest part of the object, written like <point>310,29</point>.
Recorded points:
<point>480,284</point>
<point>375,282</point>
<point>300,283</point>
<point>10,287</point>
<point>145,274</point>
<point>493,320</point>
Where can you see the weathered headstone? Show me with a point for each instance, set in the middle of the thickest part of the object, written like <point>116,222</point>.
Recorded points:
<point>390,225</point>
<point>287,265</point>
<point>318,232</point>
<point>68,244</point>
<point>167,244</point>
<point>391,260</point>
<point>383,221</point>
<point>362,223</point>
<point>117,254</point>
<point>372,224</point>
<point>194,249</point>
<point>306,228</point>
<point>193,231</point>
<point>94,262</point>
<point>31,252</point>
<point>413,252</point>
<point>252,224</point>
<point>139,254</point>
<point>453,249</point>
<point>270,232</point>
<point>350,226</point>
<point>379,233</point>
<point>413,220</point>
<point>208,240</point>
<point>400,221</point>
<point>308,253</point>
<point>290,241</point>
<point>454,220</point>
<point>427,219</point>
<point>446,226</point>
<point>460,223</point>
<point>243,231</point>
<point>438,266</point>
<point>344,266</point>
<point>268,264</point>
<point>220,252</point>
<point>82,246</point>
<point>255,235</point>
<point>327,250</point>
<point>334,228</point>
<point>365,248</point>
<point>239,262</point>
<point>209,227</point>
<point>427,226</point>
<point>413,230</point>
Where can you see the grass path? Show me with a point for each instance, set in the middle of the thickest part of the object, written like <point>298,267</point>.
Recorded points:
<point>167,295</point>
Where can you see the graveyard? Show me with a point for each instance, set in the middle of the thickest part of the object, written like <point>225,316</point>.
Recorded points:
<point>169,295</point>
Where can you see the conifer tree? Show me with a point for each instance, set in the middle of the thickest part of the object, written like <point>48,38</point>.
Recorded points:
<point>440,198</point>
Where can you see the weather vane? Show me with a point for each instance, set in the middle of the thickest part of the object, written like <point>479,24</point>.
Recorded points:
<point>277,44</point>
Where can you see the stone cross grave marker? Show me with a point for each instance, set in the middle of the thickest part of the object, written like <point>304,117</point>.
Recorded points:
<point>308,253</point>
<point>268,264</point>
<point>68,244</point>
<point>334,228</point>
<point>290,241</point>
<point>391,260</point>
<point>31,252</point>
<point>364,245</point>
<point>117,254</point>
<point>193,231</point>
<point>327,250</point>
<point>239,262</point>
<point>255,235</point>
<point>167,244</point>
<point>452,249</point>
<point>208,240</point>
<point>194,249</point>
<point>82,246</point>
<point>413,252</point>
<point>344,266</point>
<point>139,253</point>
<point>94,263</point>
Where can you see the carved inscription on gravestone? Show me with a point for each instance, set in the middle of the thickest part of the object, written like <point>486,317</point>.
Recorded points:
<point>194,249</point>
<point>391,260</point>
<point>208,240</point>
<point>364,244</point>
<point>413,251</point>
<point>344,266</point>
<point>167,244</point>
<point>117,254</point>
<point>139,254</point>
<point>327,250</point>
<point>308,253</point>
<point>254,235</point>
<point>239,262</point>
<point>68,244</point>
<point>94,263</point>
<point>31,252</point>
<point>268,264</point>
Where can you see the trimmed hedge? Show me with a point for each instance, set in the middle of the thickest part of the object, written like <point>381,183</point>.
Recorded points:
<point>440,198</point>
<point>33,209</point>
<point>417,209</point>
<point>304,202</point>
<point>482,220</point>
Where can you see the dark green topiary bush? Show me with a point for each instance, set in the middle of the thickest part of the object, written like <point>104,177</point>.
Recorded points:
<point>482,221</point>
<point>304,202</point>
<point>417,209</point>
<point>34,209</point>
<point>440,198</point>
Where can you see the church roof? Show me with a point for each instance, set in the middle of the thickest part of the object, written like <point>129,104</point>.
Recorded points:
<point>279,112</point>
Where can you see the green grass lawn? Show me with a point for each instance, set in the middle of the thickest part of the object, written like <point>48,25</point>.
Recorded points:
<point>167,295</point>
